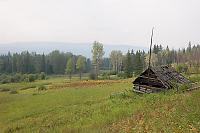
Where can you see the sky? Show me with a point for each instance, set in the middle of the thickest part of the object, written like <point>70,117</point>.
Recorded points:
<point>124,22</point>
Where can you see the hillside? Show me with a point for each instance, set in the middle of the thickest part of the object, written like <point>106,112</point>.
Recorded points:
<point>86,106</point>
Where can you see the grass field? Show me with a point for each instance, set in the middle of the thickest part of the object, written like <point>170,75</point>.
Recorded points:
<point>86,106</point>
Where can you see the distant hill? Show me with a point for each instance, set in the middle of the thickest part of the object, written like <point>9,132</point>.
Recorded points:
<point>76,48</point>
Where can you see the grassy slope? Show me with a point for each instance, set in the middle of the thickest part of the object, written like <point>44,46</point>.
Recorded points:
<point>89,109</point>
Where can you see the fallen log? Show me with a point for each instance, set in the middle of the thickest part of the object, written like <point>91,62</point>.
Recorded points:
<point>191,89</point>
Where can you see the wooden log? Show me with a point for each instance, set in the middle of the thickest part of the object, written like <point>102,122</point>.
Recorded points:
<point>151,87</point>
<point>138,91</point>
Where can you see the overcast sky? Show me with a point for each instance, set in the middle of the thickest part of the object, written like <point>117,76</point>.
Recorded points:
<point>127,22</point>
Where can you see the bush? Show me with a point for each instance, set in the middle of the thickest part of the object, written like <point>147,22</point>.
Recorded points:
<point>92,76</point>
<point>42,76</point>
<point>121,75</point>
<point>13,78</point>
<point>34,94</point>
<point>179,68</point>
<point>5,81</point>
<point>17,77</point>
<point>41,87</point>
<point>182,68</point>
<point>31,78</point>
<point>13,92</point>
<point>106,75</point>
<point>113,72</point>
<point>3,76</point>
<point>5,89</point>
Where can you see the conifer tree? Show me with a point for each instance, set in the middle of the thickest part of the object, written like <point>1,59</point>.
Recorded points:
<point>139,66</point>
<point>43,64</point>
<point>128,67</point>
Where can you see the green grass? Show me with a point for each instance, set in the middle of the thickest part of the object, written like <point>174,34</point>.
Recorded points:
<point>90,109</point>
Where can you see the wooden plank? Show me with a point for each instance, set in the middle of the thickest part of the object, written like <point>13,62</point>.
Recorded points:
<point>137,91</point>
<point>151,87</point>
<point>191,89</point>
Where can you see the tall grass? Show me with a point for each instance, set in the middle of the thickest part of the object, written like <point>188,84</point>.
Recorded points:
<point>90,109</point>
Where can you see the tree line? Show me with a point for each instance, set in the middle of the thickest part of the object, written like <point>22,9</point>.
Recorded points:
<point>133,62</point>
<point>27,63</point>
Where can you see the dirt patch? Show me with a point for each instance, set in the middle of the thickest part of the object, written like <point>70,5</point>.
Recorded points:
<point>85,84</point>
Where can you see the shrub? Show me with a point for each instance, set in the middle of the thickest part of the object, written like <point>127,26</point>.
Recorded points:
<point>182,68</point>
<point>113,72</point>
<point>106,75</point>
<point>41,87</point>
<point>31,78</point>
<point>13,78</point>
<point>179,68</point>
<point>13,92</point>
<point>5,89</point>
<point>35,94</point>
<point>5,81</point>
<point>121,75</point>
<point>92,75</point>
<point>185,69</point>
<point>17,77</point>
<point>42,76</point>
<point>3,76</point>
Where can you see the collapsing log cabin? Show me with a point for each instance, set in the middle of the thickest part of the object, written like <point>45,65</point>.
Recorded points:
<point>156,79</point>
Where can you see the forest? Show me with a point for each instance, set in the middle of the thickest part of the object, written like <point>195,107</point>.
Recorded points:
<point>134,62</point>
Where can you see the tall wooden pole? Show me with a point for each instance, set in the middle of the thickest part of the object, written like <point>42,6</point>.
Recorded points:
<point>150,48</point>
<point>150,54</point>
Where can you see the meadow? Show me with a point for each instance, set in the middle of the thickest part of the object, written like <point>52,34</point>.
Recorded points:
<point>87,106</point>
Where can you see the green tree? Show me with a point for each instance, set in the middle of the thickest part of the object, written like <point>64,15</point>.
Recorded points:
<point>43,64</point>
<point>58,61</point>
<point>88,65</point>
<point>138,61</point>
<point>154,59</point>
<point>42,76</point>
<point>97,52</point>
<point>70,68</point>
<point>128,67</point>
<point>80,65</point>
<point>1,65</point>
<point>116,60</point>
<point>168,55</point>
<point>133,65</point>
<point>189,48</point>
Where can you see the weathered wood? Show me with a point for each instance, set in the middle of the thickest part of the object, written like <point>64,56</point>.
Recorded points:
<point>119,93</point>
<point>191,89</point>
<point>163,77</point>
<point>152,82</point>
<point>138,91</point>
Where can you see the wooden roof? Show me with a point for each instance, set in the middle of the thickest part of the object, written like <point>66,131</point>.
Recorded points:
<point>165,75</point>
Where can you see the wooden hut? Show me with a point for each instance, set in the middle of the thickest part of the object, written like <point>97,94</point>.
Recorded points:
<point>156,79</point>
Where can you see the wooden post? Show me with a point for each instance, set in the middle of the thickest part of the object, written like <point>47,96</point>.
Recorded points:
<point>150,47</point>
<point>150,54</point>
